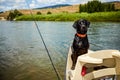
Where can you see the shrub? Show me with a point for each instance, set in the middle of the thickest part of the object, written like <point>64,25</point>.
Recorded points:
<point>49,12</point>
<point>39,13</point>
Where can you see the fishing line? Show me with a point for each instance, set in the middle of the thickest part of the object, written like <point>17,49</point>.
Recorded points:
<point>57,73</point>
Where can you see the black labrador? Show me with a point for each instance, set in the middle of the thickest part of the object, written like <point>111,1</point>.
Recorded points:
<point>80,44</point>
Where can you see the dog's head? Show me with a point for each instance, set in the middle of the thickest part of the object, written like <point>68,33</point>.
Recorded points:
<point>81,26</point>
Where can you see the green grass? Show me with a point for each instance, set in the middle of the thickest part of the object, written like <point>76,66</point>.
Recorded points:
<point>98,16</point>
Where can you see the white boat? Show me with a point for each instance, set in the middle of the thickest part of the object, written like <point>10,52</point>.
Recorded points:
<point>95,65</point>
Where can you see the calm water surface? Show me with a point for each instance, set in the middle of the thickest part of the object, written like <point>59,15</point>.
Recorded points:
<point>23,56</point>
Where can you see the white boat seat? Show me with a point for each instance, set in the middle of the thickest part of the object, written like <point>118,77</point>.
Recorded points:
<point>109,60</point>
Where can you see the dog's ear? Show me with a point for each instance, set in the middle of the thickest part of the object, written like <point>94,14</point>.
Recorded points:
<point>88,24</point>
<point>75,24</point>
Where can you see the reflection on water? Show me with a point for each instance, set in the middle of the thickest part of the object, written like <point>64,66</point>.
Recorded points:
<point>105,35</point>
<point>22,54</point>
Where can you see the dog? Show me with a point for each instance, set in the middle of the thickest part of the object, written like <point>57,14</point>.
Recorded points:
<point>80,43</point>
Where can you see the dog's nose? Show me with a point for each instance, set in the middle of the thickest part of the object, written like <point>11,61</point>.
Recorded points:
<point>83,27</point>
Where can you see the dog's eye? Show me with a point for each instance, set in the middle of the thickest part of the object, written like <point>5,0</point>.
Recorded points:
<point>82,23</point>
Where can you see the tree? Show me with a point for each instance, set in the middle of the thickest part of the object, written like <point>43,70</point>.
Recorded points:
<point>83,8</point>
<point>112,7</point>
<point>17,13</point>
<point>80,8</point>
<point>109,7</point>
<point>96,6</point>
<point>13,14</point>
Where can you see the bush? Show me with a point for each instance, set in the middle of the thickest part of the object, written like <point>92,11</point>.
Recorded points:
<point>98,16</point>
<point>39,13</point>
<point>49,12</point>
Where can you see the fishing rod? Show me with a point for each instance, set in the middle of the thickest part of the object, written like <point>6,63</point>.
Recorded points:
<point>56,71</point>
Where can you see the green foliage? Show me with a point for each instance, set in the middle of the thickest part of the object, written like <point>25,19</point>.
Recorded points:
<point>13,14</point>
<point>97,16</point>
<point>109,7</point>
<point>39,13</point>
<point>96,6</point>
<point>49,12</point>
<point>17,13</point>
<point>83,8</point>
<point>65,11</point>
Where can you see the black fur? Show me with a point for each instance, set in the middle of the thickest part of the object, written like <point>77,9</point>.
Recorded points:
<point>80,44</point>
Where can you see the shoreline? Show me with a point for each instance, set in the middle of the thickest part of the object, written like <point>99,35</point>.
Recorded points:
<point>93,17</point>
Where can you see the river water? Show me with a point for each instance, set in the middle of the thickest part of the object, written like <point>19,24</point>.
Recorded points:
<point>23,56</point>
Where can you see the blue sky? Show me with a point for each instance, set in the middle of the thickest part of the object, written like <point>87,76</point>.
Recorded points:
<point>22,4</point>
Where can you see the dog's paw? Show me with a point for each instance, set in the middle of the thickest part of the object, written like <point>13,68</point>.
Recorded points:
<point>73,67</point>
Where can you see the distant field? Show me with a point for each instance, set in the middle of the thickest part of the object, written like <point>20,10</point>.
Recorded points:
<point>98,16</point>
<point>68,9</point>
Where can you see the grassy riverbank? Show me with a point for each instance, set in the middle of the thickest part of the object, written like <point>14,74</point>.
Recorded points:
<point>98,16</point>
